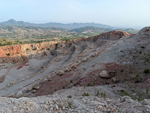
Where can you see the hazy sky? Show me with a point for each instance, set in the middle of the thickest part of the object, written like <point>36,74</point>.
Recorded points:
<point>120,13</point>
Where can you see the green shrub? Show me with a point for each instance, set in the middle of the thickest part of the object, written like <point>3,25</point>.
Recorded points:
<point>103,94</point>
<point>121,70</point>
<point>89,84</point>
<point>146,71</point>
<point>137,81</point>
<point>69,104</point>
<point>8,54</point>
<point>97,94</point>
<point>34,49</point>
<point>114,73</point>
<point>69,96</point>
<point>85,94</point>
<point>65,39</point>
<point>126,93</point>
<point>142,47</point>
<point>9,43</point>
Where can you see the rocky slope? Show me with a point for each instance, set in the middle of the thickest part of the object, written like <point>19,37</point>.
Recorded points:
<point>115,58</point>
<point>99,99</point>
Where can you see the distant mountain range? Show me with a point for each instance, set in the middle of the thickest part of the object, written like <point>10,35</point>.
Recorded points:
<point>88,29</point>
<point>13,22</point>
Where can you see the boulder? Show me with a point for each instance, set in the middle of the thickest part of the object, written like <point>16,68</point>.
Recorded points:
<point>67,69</point>
<point>92,55</point>
<point>60,73</point>
<point>36,87</point>
<point>104,74</point>
<point>33,91</point>
<point>115,80</point>
<point>19,94</point>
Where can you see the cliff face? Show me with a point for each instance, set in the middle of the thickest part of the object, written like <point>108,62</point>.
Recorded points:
<point>22,52</point>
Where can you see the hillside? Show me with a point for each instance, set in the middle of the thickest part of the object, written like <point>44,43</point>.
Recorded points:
<point>12,35</point>
<point>31,34</point>
<point>108,72</point>
<point>89,29</point>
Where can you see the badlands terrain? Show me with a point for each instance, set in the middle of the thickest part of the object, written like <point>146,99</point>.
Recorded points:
<point>107,73</point>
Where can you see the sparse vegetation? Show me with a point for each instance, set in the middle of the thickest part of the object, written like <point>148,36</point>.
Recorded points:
<point>34,49</point>
<point>142,47</point>
<point>114,73</point>
<point>69,104</point>
<point>139,95</point>
<point>41,34</point>
<point>97,94</point>
<point>103,95</point>
<point>121,70</point>
<point>69,96</point>
<point>89,84</point>
<point>85,94</point>
<point>146,71</point>
<point>8,54</point>
<point>137,81</point>
<point>65,39</point>
<point>126,93</point>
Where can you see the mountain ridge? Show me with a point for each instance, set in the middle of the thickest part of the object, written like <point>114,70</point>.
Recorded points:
<point>13,22</point>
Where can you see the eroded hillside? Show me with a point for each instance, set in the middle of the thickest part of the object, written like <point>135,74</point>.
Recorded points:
<point>116,60</point>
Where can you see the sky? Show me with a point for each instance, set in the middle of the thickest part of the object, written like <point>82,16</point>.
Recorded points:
<point>118,13</point>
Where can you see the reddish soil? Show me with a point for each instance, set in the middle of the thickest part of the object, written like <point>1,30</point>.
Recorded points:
<point>73,79</point>
<point>53,84</point>
<point>92,78</point>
